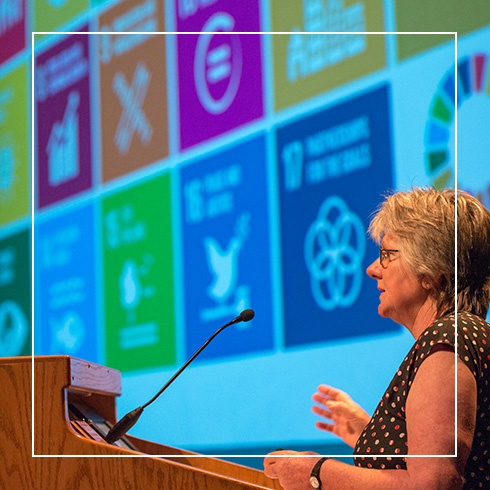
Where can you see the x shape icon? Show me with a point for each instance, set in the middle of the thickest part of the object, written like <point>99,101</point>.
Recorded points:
<point>133,119</point>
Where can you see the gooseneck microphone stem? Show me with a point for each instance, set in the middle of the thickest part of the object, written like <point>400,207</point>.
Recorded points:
<point>121,427</point>
<point>173,378</point>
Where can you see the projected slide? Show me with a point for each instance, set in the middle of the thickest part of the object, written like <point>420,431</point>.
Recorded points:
<point>153,186</point>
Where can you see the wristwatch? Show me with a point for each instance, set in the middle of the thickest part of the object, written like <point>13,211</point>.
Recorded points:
<point>315,481</point>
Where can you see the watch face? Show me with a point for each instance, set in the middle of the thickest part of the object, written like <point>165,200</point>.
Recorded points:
<point>314,482</point>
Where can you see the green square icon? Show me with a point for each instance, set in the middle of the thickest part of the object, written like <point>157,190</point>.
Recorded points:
<point>49,15</point>
<point>15,295</point>
<point>14,145</point>
<point>138,270</point>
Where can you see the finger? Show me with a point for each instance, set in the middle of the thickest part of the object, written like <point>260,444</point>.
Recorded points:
<point>326,427</point>
<point>319,398</point>
<point>334,393</point>
<point>321,411</point>
<point>332,407</point>
<point>330,391</point>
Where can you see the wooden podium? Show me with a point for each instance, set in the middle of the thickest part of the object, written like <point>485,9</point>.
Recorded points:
<point>94,464</point>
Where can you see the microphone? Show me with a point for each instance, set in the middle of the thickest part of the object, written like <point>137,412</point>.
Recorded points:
<point>244,316</point>
<point>121,427</point>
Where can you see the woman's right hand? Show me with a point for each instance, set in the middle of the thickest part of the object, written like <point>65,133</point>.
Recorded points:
<point>348,418</point>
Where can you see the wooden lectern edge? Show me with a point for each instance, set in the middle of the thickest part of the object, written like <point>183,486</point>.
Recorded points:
<point>206,466</point>
<point>61,453</point>
<point>168,455</point>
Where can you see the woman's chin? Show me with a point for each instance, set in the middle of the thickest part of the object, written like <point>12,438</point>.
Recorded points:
<point>383,311</point>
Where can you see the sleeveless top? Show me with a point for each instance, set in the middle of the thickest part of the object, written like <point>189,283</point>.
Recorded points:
<point>386,433</point>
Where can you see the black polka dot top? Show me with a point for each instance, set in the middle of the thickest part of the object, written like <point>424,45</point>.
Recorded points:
<point>386,433</point>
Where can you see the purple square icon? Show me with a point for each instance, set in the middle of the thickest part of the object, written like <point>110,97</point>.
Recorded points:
<point>220,72</point>
<point>63,120</point>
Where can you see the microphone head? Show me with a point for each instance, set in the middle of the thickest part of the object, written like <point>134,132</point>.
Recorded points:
<point>247,315</point>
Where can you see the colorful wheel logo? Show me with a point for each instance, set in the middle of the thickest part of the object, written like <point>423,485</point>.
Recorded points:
<point>473,78</point>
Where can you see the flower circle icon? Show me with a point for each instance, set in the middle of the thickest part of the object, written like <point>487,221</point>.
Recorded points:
<point>334,248</point>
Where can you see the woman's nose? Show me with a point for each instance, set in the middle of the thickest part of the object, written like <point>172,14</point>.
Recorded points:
<point>374,270</point>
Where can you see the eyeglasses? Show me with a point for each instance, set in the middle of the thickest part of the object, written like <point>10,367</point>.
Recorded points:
<point>385,256</point>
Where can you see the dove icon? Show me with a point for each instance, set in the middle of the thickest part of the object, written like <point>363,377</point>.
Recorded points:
<point>223,263</point>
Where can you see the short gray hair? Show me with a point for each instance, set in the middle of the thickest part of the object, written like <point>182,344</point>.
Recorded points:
<point>423,221</point>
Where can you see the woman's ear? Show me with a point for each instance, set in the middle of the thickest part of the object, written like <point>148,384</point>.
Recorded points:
<point>432,283</point>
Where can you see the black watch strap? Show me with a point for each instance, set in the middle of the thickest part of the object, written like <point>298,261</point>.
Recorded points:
<point>315,481</point>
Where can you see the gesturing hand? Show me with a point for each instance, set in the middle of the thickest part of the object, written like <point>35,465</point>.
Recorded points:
<point>348,418</point>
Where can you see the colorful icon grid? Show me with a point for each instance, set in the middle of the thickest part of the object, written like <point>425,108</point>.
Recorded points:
<point>123,123</point>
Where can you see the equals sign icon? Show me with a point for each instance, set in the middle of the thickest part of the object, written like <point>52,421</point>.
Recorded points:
<point>219,64</point>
